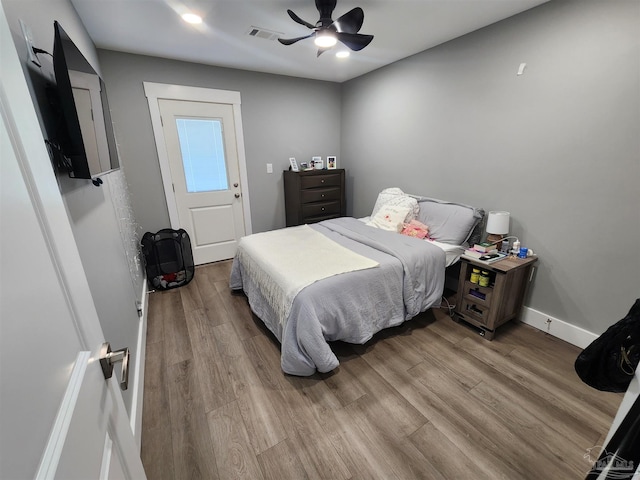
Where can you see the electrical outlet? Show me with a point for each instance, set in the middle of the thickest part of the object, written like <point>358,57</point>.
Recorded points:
<point>269,167</point>
<point>28,38</point>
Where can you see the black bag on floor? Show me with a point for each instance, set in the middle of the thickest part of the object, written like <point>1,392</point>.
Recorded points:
<point>168,258</point>
<point>610,361</point>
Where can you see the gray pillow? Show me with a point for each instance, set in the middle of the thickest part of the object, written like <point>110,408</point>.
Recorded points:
<point>448,222</point>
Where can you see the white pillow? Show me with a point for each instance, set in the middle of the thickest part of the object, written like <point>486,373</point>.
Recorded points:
<point>390,217</point>
<point>396,197</point>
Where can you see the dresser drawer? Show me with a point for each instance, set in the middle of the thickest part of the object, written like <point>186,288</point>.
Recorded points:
<point>310,220</point>
<point>315,181</point>
<point>319,195</point>
<point>320,208</point>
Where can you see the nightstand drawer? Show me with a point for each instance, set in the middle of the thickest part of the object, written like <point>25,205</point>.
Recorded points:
<point>321,208</point>
<point>475,311</point>
<point>319,195</point>
<point>477,294</point>
<point>315,181</point>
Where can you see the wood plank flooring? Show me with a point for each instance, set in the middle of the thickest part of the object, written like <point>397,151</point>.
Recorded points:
<point>430,399</point>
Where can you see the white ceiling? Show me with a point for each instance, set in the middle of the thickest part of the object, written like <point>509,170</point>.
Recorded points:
<point>400,28</point>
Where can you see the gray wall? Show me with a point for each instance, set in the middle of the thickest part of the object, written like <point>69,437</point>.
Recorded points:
<point>98,216</point>
<point>558,147</point>
<point>282,117</point>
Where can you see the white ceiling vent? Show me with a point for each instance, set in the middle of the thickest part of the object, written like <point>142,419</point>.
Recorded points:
<point>263,33</point>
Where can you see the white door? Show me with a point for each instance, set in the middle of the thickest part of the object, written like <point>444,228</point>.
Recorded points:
<point>59,417</point>
<point>201,145</point>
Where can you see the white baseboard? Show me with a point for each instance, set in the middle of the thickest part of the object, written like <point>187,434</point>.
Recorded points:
<point>138,383</point>
<point>558,328</point>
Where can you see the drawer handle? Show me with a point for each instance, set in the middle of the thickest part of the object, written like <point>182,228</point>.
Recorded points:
<point>323,209</point>
<point>322,181</point>
<point>322,195</point>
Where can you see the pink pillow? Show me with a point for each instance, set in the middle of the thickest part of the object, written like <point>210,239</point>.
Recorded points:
<point>415,229</point>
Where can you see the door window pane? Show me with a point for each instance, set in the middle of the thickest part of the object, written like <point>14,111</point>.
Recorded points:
<point>202,149</point>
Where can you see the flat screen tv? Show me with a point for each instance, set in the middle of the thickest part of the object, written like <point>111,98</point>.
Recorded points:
<point>87,139</point>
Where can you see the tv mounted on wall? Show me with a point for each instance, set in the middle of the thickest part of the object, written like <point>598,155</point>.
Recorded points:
<point>87,140</point>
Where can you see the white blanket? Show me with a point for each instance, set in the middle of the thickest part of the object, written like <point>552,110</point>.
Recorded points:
<point>285,261</point>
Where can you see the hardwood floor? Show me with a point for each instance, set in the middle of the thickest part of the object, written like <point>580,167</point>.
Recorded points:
<point>430,399</point>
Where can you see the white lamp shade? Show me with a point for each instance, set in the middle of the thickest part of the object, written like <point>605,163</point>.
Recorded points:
<point>498,223</point>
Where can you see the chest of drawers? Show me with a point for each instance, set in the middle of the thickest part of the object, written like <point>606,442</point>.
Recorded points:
<point>313,195</point>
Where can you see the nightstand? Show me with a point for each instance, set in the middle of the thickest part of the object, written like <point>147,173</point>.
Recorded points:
<point>489,307</point>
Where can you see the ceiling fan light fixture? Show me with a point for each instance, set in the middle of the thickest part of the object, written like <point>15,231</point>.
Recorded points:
<point>327,32</point>
<point>343,54</point>
<point>192,18</point>
<point>325,39</point>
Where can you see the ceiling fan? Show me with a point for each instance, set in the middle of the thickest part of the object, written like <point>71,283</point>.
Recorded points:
<point>328,32</point>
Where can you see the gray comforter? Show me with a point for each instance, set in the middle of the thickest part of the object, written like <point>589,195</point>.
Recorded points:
<point>352,306</point>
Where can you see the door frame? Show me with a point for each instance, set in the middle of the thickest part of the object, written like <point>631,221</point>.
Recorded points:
<point>157,91</point>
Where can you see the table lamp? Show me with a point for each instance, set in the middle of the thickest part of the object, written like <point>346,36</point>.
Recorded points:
<point>497,226</point>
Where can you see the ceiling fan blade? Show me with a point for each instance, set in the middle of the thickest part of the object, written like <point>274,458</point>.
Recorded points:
<point>291,41</point>
<point>326,8</point>
<point>355,41</point>
<point>350,22</point>
<point>297,19</point>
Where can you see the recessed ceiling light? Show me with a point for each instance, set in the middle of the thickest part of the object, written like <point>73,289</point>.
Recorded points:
<point>342,54</point>
<point>192,18</point>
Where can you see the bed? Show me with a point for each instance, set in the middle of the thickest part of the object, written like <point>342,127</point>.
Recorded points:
<point>346,278</point>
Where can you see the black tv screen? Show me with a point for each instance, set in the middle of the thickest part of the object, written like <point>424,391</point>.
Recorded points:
<point>87,139</point>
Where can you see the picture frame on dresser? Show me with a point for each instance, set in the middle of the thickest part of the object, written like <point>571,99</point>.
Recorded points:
<point>332,163</point>
<point>293,164</point>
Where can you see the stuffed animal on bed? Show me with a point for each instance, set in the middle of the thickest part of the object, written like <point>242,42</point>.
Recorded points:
<point>415,229</point>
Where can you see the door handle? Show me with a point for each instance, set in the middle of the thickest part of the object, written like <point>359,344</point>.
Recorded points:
<point>108,358</point>
<point>235,185</point>
<point>237,195</point>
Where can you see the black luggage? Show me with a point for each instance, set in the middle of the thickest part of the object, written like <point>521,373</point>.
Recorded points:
<point>168,258</point>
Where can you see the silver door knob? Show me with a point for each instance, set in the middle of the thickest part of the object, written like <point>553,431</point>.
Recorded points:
<point>108,358</point>
<point>237,195</point>
<point>235,185</point>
